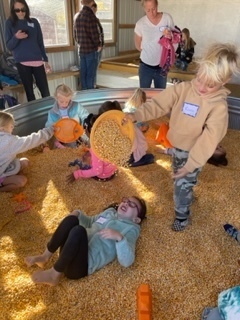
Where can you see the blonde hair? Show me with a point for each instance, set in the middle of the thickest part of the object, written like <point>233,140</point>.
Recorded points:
<point>190,43</point>
<point>63,90</point>
<point>220,62</point>
<point>144,1</point>
<point>5,119</point>
<point>137,99</point>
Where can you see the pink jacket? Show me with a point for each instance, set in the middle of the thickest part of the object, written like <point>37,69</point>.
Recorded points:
<point>99,168</point>
<point>168,48</point>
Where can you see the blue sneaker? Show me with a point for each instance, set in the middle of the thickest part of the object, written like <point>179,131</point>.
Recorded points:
<point>233,232</point>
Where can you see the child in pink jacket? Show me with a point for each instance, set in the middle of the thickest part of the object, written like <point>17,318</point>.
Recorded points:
<point>100,170</point>
<point>139,156</point>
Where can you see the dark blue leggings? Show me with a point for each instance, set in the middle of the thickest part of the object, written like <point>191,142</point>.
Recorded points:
<point>148,158</point>
<point>72,240</point>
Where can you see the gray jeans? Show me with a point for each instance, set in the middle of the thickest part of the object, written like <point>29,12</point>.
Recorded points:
<point>183,187</point>
<point>213,315</point>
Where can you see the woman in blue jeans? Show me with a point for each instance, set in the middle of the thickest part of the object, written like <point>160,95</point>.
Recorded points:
<point>148,31</point>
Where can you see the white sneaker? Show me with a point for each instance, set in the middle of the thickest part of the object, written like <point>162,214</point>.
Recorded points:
<point>74,68</point>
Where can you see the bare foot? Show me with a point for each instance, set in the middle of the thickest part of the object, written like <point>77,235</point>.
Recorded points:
<point>50,277</point>
<point>46,149</point>
<point>39,260</point>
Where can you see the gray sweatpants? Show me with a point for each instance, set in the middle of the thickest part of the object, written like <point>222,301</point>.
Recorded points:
<point>183,187</point>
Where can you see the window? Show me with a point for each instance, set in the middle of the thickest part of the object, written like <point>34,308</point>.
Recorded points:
<point>106,15</point>
<point>54,20</point>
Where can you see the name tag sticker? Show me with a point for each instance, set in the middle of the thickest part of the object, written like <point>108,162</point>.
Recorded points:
<point>30,24</point>
<point>162,29</point>
<point>190,109</point>
<point>101,220</point>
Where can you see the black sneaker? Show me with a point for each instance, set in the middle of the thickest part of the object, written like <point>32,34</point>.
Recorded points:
<point>233,232</point>
<point>180,225</point>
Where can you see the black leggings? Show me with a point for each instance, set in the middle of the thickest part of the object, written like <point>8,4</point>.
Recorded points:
<point>26,74</point>
<point>72,240</point>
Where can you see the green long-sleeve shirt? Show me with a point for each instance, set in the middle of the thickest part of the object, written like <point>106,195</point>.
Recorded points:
<point>102,251</point>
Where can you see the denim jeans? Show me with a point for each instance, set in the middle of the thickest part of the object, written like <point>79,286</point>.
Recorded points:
<point>88,69</point>
<point>147,74</point>
<point>98,63</point>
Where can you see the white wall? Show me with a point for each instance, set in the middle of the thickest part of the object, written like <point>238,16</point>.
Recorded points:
<point>207,20</point>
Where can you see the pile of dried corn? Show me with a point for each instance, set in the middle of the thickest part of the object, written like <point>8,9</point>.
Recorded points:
<point>186,271</point>
<point>110,144</point>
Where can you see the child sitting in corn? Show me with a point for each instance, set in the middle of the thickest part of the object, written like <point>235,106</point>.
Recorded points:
<point>99,169</point>
<point>135,101</point>
<point>65,107</point>
<point>139,156</point>
<point>11,177</point>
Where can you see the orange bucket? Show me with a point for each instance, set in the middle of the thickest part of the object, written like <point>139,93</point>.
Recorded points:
<point>161,136</point>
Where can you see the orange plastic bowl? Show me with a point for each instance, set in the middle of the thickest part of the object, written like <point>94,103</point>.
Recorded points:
<point>67,130</point>
<point>126,128</point>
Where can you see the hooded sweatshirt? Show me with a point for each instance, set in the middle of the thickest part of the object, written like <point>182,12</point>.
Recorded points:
<point>11,145</point>
<point>197,123</point>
